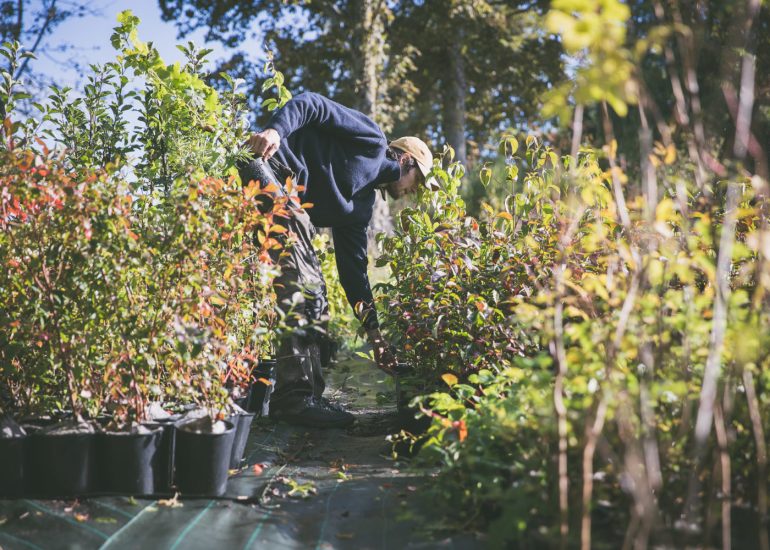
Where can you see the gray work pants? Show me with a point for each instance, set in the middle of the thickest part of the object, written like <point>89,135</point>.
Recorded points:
<point>301,295</point>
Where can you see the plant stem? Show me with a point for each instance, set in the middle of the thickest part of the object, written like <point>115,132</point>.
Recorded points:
<point>558,401</point>
<point>724,461</point>
<point>593,431</point>
<point>759,441</point>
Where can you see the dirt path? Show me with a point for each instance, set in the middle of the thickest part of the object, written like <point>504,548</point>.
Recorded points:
<point>312,489</point>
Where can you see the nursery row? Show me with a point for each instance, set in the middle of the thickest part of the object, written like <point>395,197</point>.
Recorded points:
<point>183,452</point>
<point>137,268</point>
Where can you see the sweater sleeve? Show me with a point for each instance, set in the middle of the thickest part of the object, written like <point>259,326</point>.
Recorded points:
<point>308,109</point>
<point>350,253</point>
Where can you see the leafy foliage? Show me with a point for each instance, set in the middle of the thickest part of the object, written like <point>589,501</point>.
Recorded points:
<point>138,268</point>
<point>555,282</point>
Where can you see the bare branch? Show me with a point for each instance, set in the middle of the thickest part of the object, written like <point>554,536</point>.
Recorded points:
<point>49,17</point>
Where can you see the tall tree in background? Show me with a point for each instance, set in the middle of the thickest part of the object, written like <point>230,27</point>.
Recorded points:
<point>371,18</point>
<point>482,68</point>
<point>31,22</point>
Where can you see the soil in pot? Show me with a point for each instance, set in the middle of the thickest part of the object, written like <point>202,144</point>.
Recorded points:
<point>60,459</point>
<point>127,460</point>
<point>262,387</point>
<point>242,421</point>
<point>202,456</point>
<point>12,438</point>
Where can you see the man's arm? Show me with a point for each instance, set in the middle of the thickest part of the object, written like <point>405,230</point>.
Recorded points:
<point>352,261</point>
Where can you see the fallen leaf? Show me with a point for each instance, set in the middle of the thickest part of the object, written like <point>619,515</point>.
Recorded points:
<point>81,517</point>
<point>345,536</point>
<point>105,520</point>
<point>258,469</point>
<point>171,502</point>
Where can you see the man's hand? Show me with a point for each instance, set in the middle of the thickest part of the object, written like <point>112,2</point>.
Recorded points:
<point>265,143</point>
<point>386,361</point>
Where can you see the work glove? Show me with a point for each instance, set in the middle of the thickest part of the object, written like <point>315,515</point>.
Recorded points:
<point>383,353</point>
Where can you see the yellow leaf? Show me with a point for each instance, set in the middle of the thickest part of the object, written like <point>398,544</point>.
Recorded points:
<point>505,215</point>
<point>449,378</point>
<point>670,154</point>
<point>665,210</point>
<point>217,300</point>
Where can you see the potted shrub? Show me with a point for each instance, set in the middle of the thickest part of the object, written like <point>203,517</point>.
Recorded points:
<point>58,236</point>
<point>119,295</point>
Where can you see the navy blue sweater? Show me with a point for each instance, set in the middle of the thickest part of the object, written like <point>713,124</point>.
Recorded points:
<point>338,156</point>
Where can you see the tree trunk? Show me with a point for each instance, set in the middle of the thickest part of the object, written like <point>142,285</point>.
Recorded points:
<point>369,57</point>
<point>454,99</point>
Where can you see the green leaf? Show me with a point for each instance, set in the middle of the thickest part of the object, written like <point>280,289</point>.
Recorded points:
<point>485,175</point>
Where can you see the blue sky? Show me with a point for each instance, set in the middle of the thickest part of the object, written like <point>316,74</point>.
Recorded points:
<point>89,38</point>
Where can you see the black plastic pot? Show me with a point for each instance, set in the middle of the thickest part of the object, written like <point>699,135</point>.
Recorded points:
<point>59,465</point>
<point>259,396</point>
<point>242,423</point>
<point>127,461</point>
<point>12,466</point>
<point>202,461</point>
<point>163,465</point>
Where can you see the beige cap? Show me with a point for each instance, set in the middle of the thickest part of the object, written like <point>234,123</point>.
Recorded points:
<point>419,151</point>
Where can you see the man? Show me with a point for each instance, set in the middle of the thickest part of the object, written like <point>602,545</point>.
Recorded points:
<point>341,158</point>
